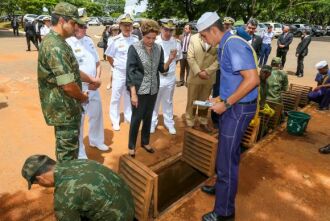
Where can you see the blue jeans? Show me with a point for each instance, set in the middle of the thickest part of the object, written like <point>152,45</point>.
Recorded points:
<point>264,53</point>
<point>232,126</point>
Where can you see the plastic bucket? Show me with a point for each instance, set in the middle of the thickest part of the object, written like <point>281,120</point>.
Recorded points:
<point>297,122</point>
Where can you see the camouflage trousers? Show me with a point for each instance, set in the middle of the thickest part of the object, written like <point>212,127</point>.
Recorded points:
<point>67,142</point>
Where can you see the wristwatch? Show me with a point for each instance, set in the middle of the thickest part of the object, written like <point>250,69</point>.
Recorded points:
<point>227,105</point>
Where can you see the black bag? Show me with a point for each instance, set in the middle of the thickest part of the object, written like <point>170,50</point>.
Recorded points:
<point>100,44</point>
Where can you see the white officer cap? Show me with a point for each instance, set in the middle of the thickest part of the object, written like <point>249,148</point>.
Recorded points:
<point>321,64</point>
<point>206,20</point>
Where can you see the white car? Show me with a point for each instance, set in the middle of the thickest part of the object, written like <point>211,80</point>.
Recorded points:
<point>261,28</point>
<point>277,28</point>
<point>94,21</point>
<point>29,17</point>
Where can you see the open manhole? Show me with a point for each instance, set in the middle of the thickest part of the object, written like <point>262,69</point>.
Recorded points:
<point>156,189</point>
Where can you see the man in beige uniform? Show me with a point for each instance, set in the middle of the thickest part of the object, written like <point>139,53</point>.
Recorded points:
<point>202,60</point>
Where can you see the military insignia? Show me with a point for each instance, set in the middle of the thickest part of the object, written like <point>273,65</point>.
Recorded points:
<point>121,46</point>
<point>77,50</point>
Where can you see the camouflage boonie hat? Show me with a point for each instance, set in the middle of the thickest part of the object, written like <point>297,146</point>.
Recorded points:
<point>266,68</point>
<point>68,10</point>
<point>31,166</point>
<point>276,60</point>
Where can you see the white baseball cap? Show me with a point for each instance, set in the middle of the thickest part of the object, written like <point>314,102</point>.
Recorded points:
<point>206,20</point>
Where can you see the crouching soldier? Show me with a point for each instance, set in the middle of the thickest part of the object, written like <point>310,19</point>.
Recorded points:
<point>84,189</point>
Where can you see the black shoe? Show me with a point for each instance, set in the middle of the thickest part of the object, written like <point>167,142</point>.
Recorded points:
<point>325,149</point>
<point>323,108</point>
<point>212,216</point>
<point>131,153</point>
<point>208,189</point>
<point>28,50</point>
<point>180,83</point>
<point>300,75</point>
<point>148,148</point>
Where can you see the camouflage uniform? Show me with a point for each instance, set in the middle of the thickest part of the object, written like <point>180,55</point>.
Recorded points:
<point>57,66</point>
<point>87,190</point>
<point>276,83</point>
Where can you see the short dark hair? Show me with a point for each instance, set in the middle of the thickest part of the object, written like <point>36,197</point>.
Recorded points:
<point>189,25</point>
<point>218,24</point>
<point>47,166</point>
<point>253,22</point>
<point>55,18</point>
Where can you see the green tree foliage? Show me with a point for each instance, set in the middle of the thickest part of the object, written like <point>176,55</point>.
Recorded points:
<point>286,11</point>
<point>93,8</point>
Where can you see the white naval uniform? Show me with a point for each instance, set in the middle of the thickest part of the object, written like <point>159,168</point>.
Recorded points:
<point>167,84</point>
<point>87,58</point>
<point>44,30</point>
<point>117,49</point>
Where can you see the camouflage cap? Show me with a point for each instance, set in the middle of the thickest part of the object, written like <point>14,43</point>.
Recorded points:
<point>266,68</point>
<point>68,10</point>
<point>276,60</point>
<point>125,18</point>
<point>31,166</point>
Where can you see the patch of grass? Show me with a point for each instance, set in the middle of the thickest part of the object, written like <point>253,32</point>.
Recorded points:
<point>5,25</point>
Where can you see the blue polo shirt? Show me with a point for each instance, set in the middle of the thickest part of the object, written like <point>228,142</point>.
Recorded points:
<point>237,56</point>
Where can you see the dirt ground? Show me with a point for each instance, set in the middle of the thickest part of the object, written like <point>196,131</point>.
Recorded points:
<point>283,178</point>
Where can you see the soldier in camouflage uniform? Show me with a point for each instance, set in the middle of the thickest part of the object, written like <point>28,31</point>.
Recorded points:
<point>59,82</point>
<point>84,189</point>
<point>277,82</point>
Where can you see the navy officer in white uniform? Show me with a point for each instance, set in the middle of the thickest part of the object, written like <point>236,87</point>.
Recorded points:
<point>117,57</point>
<point>167,80</point>
<point>89,63</point>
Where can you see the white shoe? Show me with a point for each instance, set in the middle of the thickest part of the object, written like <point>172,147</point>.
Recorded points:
<point>116,127</point>
<point>172,130</point>
<point>152,129</point>
<point>101,147</point>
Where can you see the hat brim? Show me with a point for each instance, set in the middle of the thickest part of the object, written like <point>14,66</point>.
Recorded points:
<point>79,21</point>
<point>169,27</point>
<point>126,20</point>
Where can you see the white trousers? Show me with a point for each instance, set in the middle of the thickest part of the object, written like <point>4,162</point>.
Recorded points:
<point>119,90</point>
<point>165,98</point>
<point>95,123</point>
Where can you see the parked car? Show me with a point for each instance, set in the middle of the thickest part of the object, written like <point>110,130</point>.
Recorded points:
<point>106,21</point>
<point>41,17</point>
<point>317,30</point>
<point>277,28</point>
<point>29,17</point>
<point>93,21</point>
<point>262,28</point>
<point>300,28</point>
<point>327,30</point>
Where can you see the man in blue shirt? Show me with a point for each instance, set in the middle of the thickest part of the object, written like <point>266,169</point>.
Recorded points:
<point>321,93</point>
<point>236,106</point>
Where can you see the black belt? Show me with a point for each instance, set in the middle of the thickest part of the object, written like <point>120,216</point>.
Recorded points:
<point>184,52</point>
<point>249,102</point>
